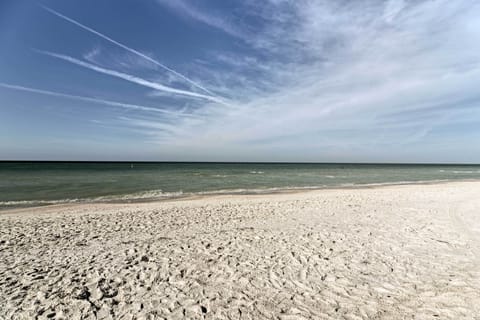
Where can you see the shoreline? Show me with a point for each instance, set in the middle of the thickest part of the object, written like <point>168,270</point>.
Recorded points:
<point>213,194</point>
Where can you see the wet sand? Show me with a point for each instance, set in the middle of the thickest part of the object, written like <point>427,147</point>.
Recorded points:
<point>396,252</point>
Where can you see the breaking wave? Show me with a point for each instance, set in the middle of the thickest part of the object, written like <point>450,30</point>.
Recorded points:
<point>158,195</point>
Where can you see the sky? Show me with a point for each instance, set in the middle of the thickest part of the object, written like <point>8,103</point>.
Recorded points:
<point>245,80</point>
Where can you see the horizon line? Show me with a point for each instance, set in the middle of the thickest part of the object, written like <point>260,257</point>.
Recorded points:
<point>245,162</point>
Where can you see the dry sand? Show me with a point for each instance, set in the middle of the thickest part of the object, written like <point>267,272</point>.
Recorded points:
<point>398,252</point>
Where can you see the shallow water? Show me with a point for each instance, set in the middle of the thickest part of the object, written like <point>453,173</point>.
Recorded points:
<point>37,183</point>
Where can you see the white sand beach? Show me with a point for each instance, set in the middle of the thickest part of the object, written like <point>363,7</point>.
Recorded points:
<point>396,252</point>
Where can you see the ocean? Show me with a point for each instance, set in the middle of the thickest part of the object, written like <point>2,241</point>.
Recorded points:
<point>24,184</point>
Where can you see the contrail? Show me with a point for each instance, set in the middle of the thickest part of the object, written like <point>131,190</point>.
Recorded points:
<point>88,99</point>
<point>127,48</point>
<point>128,77</point>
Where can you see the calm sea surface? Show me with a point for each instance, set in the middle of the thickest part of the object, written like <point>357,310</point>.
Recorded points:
<point>41,183</point>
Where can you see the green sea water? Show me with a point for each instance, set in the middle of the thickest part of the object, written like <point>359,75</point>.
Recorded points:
<point>42,183</point>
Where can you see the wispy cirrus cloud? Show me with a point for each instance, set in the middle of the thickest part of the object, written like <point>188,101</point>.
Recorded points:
<point>345,66</point>
<point>190,10</point>
<point>93,54</point>
<point>122,60</point>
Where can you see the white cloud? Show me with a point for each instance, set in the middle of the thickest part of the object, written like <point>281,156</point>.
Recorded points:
<point>343,66</point>
<point>189,10</point>
<point>392,9</point>
<point>121,60</point>
<point>92,54</point>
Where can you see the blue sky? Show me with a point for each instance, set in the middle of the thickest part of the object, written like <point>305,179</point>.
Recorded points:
<point>274,80</point>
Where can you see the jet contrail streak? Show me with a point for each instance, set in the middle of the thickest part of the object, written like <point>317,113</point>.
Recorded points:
<point>101,35</point>
<point>88,99</point>
<point>128,77</point>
